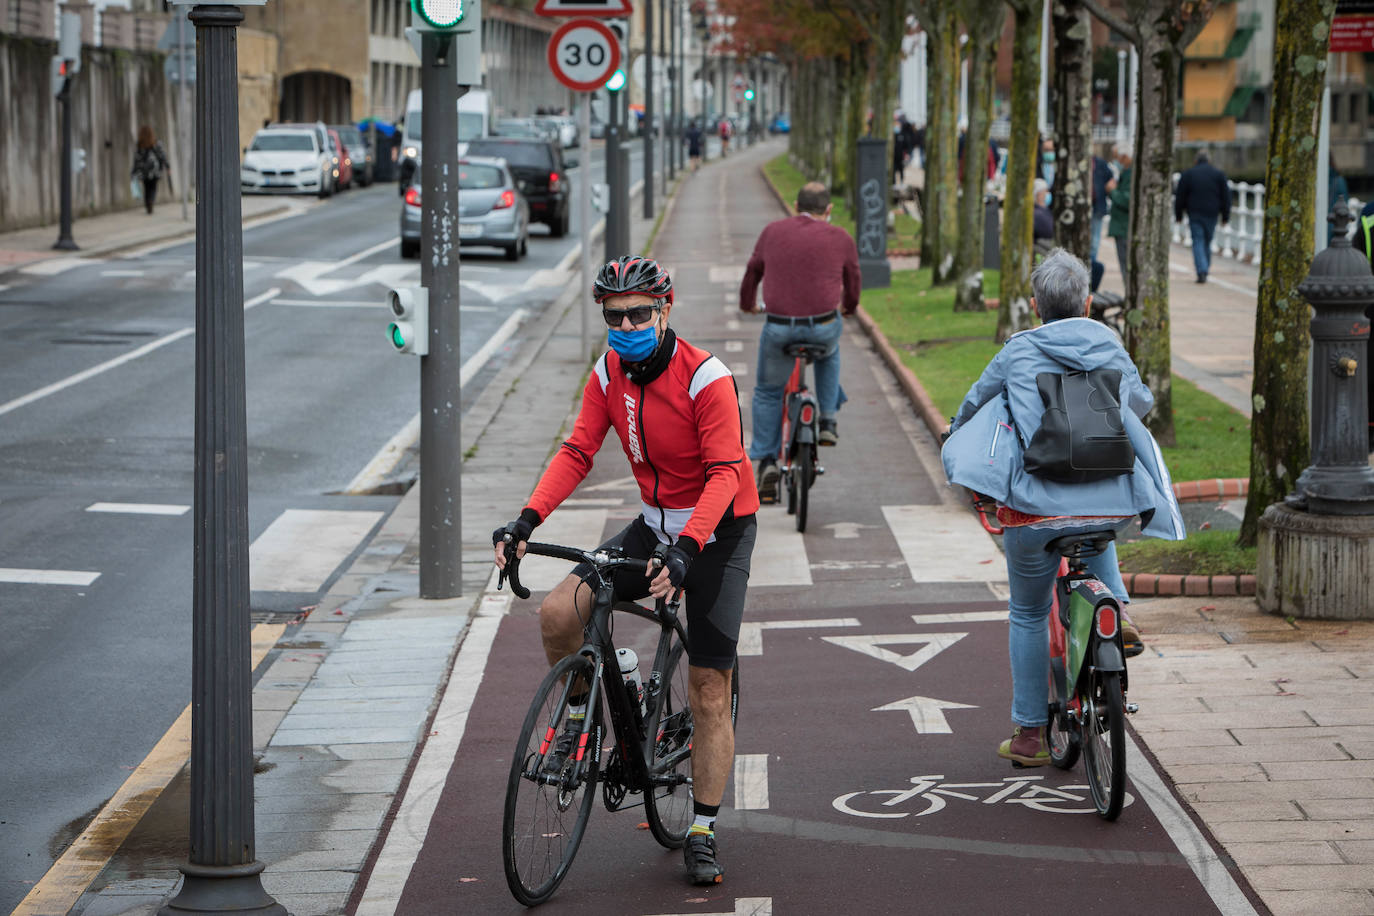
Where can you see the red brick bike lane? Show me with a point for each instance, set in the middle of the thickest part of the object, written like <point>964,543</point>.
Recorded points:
<point>866,780</point>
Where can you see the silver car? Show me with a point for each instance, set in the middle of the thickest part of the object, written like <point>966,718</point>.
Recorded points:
<point>491,209</point>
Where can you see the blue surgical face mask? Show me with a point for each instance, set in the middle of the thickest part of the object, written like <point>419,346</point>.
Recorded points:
<point>633,346</point>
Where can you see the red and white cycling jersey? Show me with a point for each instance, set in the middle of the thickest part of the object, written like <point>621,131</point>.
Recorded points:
<point>682,434</point>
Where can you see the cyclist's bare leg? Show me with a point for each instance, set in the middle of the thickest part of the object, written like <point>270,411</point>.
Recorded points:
<point>713,738</point>
<point>560,618</point>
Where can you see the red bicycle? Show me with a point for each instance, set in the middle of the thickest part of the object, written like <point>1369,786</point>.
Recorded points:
<point>801,423</point>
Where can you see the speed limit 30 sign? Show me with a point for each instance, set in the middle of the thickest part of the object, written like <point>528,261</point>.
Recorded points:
<point>583,54</point>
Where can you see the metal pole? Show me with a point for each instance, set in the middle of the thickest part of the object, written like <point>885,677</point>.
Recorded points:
<point>182,140</point>
<point>1120,99</point>
<point>1045,70</point>
<point>65,242</point>
<point>223,873</point>
<point>649,110</point>
<point>612,235</point>
<point>1132,100</point>
<point>669,108</point>
<point>441,534</point>
<point>584,194</point>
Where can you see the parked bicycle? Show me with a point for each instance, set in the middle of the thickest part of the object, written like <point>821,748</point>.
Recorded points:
<point>558,759</point>
<point>801,416</point>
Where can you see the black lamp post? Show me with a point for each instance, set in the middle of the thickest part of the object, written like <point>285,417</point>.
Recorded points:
<point>222,873</point>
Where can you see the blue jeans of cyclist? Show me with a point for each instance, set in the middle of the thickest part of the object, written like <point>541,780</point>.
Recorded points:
<point>1031,571</point>
<point>774,368</point>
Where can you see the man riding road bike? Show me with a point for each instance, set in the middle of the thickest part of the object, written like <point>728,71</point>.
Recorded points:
<point>676,410</point>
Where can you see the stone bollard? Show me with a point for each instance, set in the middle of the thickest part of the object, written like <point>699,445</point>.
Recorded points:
<point>1316,549</point>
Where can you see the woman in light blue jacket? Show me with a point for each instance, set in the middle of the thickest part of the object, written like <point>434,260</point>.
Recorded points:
<point>1041,509</point>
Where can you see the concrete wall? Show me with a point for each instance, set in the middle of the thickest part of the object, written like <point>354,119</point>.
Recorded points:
<point>115,92</point>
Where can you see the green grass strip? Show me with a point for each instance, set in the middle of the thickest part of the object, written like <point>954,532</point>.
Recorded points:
<point>1203,553</point>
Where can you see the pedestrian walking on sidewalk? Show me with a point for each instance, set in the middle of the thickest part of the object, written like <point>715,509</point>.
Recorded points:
<point>1119,217</point>
<point>150,164</point>
<point>1204,196</point>
<point>810,275</point>
<point>1104,182</point>
<point>1032,510</point>
<point>695,138</point>
<point>676,411</point>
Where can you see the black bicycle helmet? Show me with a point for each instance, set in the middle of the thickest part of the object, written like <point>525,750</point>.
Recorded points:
<point>632,274</point>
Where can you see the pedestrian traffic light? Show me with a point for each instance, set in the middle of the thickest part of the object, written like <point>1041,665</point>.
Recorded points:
<point>78,160</point>
<point>438,15</point>
<point>621,30</point>
<point>61,72</point>
<point>749,94</point>
<point>409,327</point>
<point>601,197</point>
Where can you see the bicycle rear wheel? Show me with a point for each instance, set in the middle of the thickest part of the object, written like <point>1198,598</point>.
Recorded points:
<point>1104,743</point>
<point>546,811</point>
<point>1062,734</point>
<point>805,474</point>
<point>669,799</point>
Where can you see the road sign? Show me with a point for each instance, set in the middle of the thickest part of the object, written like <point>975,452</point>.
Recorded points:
<point>609,8</point>
<point>583,54</point>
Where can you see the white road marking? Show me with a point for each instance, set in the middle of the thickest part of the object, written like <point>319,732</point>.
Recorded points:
<point>407,835</point>
<point>751,631</point>
<point>48,576</point>
<point>927,714</point>
<point>779,551</point>
<point>740,370</point>
<point>580,528</point>
<point>846,530</point>
<point>122,273</point>
<point>51,267</point>
<point>744,906</point>
<point>382,463</point>
<point>751,782</point>
<point>932,644</point>
<point>728,273</point>
<point>734,346</point>
<point>307,274</point>
<point>302,548</point>
<point>589,503</point>
<point>945,544</point>
<point>732,324</point>
<point>92,372</point>
<point>139,508</point>
<point>965,617</point>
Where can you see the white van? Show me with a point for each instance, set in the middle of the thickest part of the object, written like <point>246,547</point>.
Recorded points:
<point>475,114</point>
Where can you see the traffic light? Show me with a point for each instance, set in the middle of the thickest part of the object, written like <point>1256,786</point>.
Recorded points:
<point>438,15</point>
<point>601,197</point>
<point>409,327</point>
<point>69,41</point>
<point>621,30</point>
<point>78,160</point>
<point>749,94</point>
<point>61,72</point>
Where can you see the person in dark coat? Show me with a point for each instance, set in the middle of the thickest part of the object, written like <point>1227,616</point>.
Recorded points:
<point>694,140</point>
<point>1042,225</point>
<point>1204,195</point>
<point>150,164</point>
<point>1119,216</point>
<point>1104,182</point>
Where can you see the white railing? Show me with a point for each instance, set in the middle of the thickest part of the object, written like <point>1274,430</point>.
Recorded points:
<point>1243,237</point>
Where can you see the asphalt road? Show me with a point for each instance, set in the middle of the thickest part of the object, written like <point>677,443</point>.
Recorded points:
<point>97,407</point>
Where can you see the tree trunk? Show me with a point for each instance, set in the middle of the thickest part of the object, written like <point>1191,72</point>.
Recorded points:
<point>940,202</point>
<point>887,62</point>
<point>984,22</point>
<point>1147,318</point>
<point>1072,196</point>
<point>1013,313</point>
<point>1279,447</point>
<point>855,112</point>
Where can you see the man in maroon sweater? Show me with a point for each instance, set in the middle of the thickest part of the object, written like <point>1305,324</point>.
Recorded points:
<point>810,274</point>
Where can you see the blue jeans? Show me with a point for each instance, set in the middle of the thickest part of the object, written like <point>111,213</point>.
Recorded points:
<point>1031,571</point>
<point>1202,228</point>
<point>1095,228</point>
<point>774,368</point>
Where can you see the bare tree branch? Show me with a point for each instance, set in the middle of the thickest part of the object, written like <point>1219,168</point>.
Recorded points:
<point>1117,24</point>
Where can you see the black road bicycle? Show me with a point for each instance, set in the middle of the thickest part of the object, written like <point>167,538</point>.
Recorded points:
<point>645,755</point>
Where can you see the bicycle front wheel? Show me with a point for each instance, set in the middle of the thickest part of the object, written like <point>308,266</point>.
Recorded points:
<point>805,473</point>
<point>669,797</point>
<point>548,800</point>
<point>1104,743</point>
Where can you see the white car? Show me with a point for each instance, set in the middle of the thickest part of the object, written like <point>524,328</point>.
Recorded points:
<point>286,161</point>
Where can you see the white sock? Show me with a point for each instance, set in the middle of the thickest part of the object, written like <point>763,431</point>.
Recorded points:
<point>703,823</point>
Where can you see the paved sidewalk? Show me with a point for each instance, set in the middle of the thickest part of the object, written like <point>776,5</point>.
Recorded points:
<point>1265,725</point>
<point>109,233</point>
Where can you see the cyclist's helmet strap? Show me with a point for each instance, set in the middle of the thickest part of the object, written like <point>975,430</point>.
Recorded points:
<point>632,274</point>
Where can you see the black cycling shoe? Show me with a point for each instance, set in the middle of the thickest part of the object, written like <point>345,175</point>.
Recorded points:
<point>830,433</point>
<point>699,855</point>
<point>563,747</point>
<point>768,480</point>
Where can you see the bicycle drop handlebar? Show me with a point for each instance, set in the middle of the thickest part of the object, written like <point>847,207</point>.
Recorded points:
<point>601,559</point>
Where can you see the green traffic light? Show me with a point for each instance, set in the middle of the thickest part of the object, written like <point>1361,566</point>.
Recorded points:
<point>398,338</point>
<point>442,14</point>
<point>749,95</point>
<point>617,81</point>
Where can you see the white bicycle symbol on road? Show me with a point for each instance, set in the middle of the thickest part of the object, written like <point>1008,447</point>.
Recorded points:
<point>930,790</point>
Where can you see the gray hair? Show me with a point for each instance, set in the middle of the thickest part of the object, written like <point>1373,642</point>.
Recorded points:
<point>1060,286</point>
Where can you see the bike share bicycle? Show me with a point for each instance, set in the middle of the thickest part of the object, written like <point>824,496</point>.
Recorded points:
<point>558,759</point>
<point>1087,675</point>
<point>801,415</point>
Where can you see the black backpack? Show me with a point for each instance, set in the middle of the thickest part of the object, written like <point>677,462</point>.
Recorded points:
<point>1081,436</point>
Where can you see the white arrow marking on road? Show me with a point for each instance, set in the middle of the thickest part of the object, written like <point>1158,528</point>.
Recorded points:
<point>744,906</point>
<point>619,483</point>
<point>751,632</point>
<point>306,275</point>
<point>847,529</point>
<point>965,617</point>
<point>751,782</point>
<point>48,576</point>
<point>926,713</point>
<point>932,644</point>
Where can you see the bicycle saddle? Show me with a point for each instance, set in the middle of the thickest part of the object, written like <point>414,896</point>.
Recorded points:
<point>1082,546</point>
<point>806,351</point>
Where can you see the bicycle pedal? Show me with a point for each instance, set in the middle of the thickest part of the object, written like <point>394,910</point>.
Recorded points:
<point>1132,708</point>
<point>1132,649</point>
<point>819,470</point>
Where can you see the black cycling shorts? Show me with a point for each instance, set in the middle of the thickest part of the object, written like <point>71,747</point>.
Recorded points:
<point>714,586</point>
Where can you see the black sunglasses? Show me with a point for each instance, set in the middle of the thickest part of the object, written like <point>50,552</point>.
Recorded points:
<point>638,314</point>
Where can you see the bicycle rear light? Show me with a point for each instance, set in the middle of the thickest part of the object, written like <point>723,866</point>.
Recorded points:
<point>1106,621</point>
<point>807,412</point>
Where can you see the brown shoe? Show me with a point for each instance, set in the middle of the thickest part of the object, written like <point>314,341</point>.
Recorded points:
<point>1130,636</point>
<point>1026,747</point>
